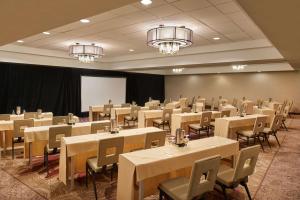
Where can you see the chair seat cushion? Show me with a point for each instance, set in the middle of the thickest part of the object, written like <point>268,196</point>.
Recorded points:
<point>212,123</point>
<point>267,130</point>
<point>195,126</point>
<point>246,133</point>
<point>158,121</point>
<point>92,162</point>
<point>52,150</point>
<point>176,188</point>
<point>104,115</point>
<point>130,118</point>
<point>226,177</point>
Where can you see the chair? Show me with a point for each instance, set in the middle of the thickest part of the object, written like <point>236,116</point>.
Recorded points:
<point>285,114</point>
<point>18,135</point>
<point>133,115</point>
<point>125,105</point>
<point>259,126</point>
<point>155,139</point>
<point>201,181</point>
<point>153,107</point>
<point>54,142</point>
<point>204,124</point>
<point>274,127</point>
<point>30,115</point>
<point>105,157</point>
<point>99,127</point>
<point>57,120</point>
<point>235,102</point>
<point>165,120</point>
<point>224,113</point>
<point>186,110</point>
<point>245,166</point>
<point>4,117</point>
<point>106,111</point>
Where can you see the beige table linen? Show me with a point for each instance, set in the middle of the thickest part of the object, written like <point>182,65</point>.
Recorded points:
<point>98,109</point>
<point>138,169</point>
<point>145,117</point>
<point>181,120</point>
<point>78,146</point>
<point>233,110</point>
<point>265,111</point>
<point>272,105</point>
<point>200,106</point>
<point>117,112</point>
<point>152,103</point>
<point>173,105</point>
<point>18,117</point>
<point>9,125</point>
<point>227,126</point>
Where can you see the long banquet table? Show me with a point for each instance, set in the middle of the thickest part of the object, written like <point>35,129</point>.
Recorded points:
<point>227,126</point>
<point>145,117</point>
<point>98,109</point>
<point>117,112</point>
<point>141,171</point>
<point>181,120</point>
<point>75,150</point>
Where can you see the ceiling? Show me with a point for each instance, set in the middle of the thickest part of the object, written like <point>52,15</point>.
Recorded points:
<point>126,28</point>
<point>123,25</point>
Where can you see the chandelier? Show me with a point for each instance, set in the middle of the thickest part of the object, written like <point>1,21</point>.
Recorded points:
<point>169,39</point>
<point>86,53</point>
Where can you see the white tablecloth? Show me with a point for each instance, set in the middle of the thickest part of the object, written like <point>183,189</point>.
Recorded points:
<point>233,110</point>
<point>145,115</point>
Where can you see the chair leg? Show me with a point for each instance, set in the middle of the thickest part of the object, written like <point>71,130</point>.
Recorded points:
<point>284,126</point>
<point>13,149</point>
<point>247,189</point>
<point>111,173</point>
<point>266,138</point>
<point>248,141</point>
<point>160,195</point>
<point>260,143</point>
<point>86,174</point>
<point>276,138</point>
<point>94,184</point>
<point>224,192</point>
<point>47,163</point>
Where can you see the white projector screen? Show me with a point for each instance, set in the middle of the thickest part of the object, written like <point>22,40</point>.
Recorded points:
<point>98,90</point>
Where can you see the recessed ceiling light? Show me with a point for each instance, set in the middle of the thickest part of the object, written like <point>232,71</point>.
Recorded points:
<point>177,70</point>
<point>20,41</point>
<point>216,38</point>
<point>131,50</point>
<point>46,33</point>
<point>85,21</point>
<point>146,2</point>
<point>238,67</point>
<point>258,71</point>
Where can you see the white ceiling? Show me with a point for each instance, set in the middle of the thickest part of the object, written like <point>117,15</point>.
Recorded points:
<point>125,28</point>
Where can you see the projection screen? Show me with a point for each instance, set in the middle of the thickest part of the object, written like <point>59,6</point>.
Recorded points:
<point>98,90</point>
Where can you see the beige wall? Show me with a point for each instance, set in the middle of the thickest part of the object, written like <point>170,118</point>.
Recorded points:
<point>278,85</point>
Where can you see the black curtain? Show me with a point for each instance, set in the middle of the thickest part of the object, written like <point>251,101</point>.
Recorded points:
<point>58,89</point>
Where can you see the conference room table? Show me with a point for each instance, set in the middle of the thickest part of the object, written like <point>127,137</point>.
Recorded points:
<point>36,138</point>
<point>140,172</point>
<point>152,103</point>
<point>265,111</point>
<point>227,126</point>
<point>21,116</point>
<point>96,109</point>
<point>233,110</point>
<point>145,117</point>
<point>77,149</point>
<point>118,113</point>
<point>182,120</point>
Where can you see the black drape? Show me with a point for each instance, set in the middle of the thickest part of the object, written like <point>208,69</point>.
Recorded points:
<point>58,89</point>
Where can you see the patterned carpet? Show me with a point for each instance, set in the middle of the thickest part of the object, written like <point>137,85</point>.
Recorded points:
<point>277,176</point>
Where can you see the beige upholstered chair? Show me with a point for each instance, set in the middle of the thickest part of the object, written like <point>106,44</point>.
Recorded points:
<point>98,127</point>
<point>108,155</point>
<point>153,107</point>
<point>201,181</point>
<point>165,120</point>
<point>133,117</point>
<point>186,110</point>
<point>204,124</point>
<point>4,117</point>
<point>285,112</point>
<point>224,113</point>
<point>274,127</point>
<point>259,126</point>
<point>125,105</point>
<point>54,142</point>
<point>106,111</point>
<point>60,120</point>
<point>30,115</point>
<point>18,135</point>
<point>212,105</point>
<point>245,166</point>
<point>155,139</point>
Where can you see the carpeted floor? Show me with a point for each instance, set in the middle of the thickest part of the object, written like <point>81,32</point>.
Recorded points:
<point>277,176</point>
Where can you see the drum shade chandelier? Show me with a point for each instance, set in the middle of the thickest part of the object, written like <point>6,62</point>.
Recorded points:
<point>169,39</point>
<point>86,53</point>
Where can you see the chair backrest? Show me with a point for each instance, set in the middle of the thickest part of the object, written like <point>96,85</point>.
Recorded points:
<point>186,110</point>
<point>20,125</point>
<point>225,113</point>
<point>60,120</point>
<point>4,117</point>
<point>107,108</point>
<point>212,105</point>
<point>98,127</point>
<point>125,105</point>
<point>56,133</point>
<point>153,107</point>
<point>234,102</point>
<point>205,119</point>
<point>276,122</point>
<point>198,184</point>
<point>281,108</point>
<point>259,124</point>
<point>290,104</point>
<point>30,115</point>
<point>246,162</point>
<point>155,139</point>
<point>167,115</point>
<point>109,150</point>
<point>134,112</point>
